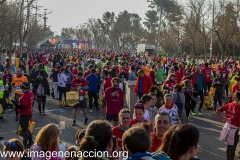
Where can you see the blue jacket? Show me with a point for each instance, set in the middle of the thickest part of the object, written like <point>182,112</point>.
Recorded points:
<point>69,80</point>
<point>1,68</point>
<point>93,82</point>
<point>200,86</point>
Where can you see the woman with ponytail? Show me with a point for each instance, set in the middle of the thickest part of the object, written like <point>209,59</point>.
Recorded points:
<point>180,142</point>
<point>98,139</point>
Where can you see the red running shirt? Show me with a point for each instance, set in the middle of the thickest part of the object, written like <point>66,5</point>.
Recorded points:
<point>79,83</point>
<point>232,113</point>
<point>156,143</point>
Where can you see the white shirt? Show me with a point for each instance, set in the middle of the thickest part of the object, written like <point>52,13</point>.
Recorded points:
<point>173,113</point>
<point>146,115</point>
<point>62,79</point>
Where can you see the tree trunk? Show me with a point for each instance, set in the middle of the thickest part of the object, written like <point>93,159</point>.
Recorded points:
<point>21,28</point>
<point>11,47</point>
<point>205,50</point>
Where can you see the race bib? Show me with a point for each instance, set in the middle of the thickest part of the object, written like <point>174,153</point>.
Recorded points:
<point>224,75</point>
<point>18,89</point>
<point>81,98</point>
<point>1,88</point>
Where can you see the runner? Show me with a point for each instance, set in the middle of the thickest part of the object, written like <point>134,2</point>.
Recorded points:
<point>230,130</point>
<point>114,101</point>
<point>79,84</point>
<point>16,83</point>
<point>24,106</point>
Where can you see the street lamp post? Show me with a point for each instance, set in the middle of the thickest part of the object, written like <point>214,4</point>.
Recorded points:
<point>45,18</point>
<point>211,45</point>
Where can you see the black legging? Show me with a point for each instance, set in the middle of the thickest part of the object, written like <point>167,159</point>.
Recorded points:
<point>201,94</point>
<point>208,85</point>
<point>231,148</point>
<point>27,135</point>
<point>226,89</point>
<point>62,91</point>
<point>93,95</point>
<point>68,87</point>
<point>41,103</point>
<point>217,98</point>
<point>16,98</point>
<point>189,103</point>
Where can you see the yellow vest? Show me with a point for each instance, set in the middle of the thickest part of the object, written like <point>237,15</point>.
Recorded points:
<point>1,88</point>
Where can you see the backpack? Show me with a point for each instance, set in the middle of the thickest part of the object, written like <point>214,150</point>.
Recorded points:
<point>179,105</point>
<point>40,90</point>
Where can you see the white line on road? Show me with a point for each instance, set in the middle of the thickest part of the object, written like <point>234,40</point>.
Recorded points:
<point>212,153</point>
<point>45,111</point>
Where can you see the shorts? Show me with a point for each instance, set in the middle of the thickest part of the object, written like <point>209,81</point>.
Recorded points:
<point>17,96</point>
<point>112,118</point>
<point>81,104</point>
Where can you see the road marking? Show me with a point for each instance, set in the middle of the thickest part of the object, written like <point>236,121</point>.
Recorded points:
<point>212,153</point>
<point>205,128</point>
<point>14,131</point>
<point>209,121</point>
<point>50,110</point>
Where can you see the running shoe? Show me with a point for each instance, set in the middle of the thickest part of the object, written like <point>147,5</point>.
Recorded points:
<point>74,123</point>
<point>199,113</point>
<point>193,113</point>
<point>214,113</point>
<point>86,121</point>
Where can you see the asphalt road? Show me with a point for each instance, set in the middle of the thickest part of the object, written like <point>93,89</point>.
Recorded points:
<point>209,126</point>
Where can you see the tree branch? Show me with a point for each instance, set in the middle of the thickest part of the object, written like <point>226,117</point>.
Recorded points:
<point>2,1</point>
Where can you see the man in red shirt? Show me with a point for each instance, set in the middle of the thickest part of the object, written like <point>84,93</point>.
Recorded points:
<point>79,84</point>
<point>178,75</point>
<point>206,71</point>
<point>124,117</point>
<point>182,69</point>
<point>162,124</point>
<point>125,67</point>
<point>143,84</point>
<point>75,70</point>
<point>44,61</point>
<point>114,101</point>
<point>87,72</point>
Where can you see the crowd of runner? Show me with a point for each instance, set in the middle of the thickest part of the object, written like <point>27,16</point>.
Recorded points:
<point>169,91</point>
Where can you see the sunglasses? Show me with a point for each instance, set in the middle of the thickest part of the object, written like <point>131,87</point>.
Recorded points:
<point>10,144</point>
